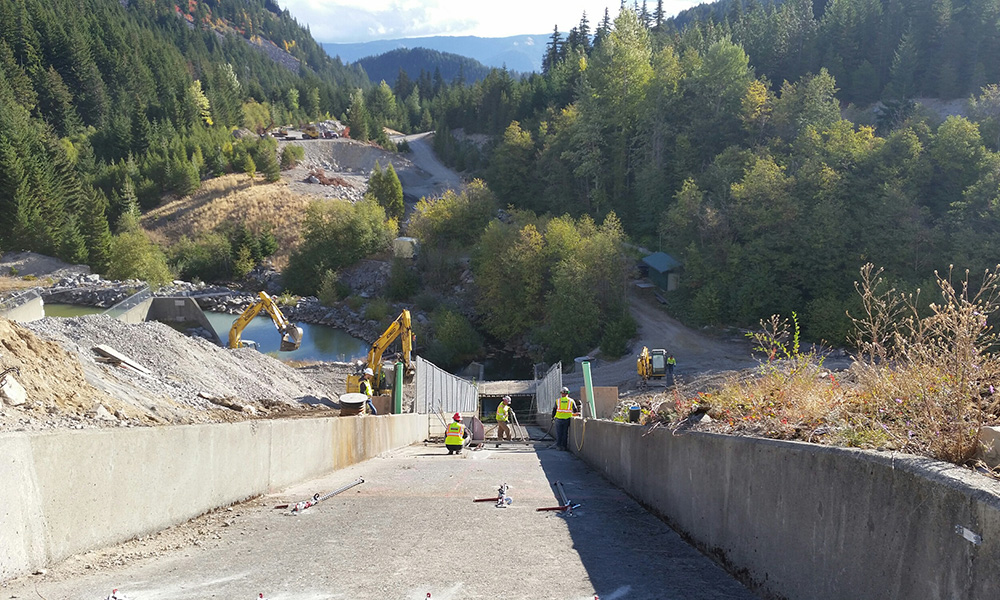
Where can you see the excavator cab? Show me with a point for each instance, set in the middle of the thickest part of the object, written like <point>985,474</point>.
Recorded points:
<point>400,328</point>
<point>291,334</point>
<point>652,364</point>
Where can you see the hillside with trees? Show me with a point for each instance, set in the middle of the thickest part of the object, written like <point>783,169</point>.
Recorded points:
<point>732,144</point>
<point>451,67</point>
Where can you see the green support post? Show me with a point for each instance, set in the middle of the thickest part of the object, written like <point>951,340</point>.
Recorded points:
<point>397,391</point>
<point>588,385</point>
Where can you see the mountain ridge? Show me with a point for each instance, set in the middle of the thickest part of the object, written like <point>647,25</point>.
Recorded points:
<point>522,53</point>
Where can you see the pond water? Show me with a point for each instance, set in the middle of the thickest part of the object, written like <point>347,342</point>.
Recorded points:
<point>319,342</point>
<point>70,310</point>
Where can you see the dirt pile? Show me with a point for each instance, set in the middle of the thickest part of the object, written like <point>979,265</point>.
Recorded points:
<point>190,380</point>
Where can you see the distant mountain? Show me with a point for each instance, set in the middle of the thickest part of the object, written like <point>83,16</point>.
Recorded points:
<point>386,66</point>
<point>522,53</point>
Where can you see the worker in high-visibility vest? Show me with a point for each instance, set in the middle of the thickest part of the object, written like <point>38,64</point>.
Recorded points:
<point>368,389</point>
<point>563,411</point>
<point>454,436</point>
<point>504,412</point>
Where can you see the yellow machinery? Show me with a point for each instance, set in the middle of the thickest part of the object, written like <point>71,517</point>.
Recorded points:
<point>311,132</point>
<point>291,334</point>
<point>652,364</point>
<point>400,328</point>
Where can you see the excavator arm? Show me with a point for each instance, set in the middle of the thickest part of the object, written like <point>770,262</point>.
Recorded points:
<point>291,334</point>
<point>400,328</point>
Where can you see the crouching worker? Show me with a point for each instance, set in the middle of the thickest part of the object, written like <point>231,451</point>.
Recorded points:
<point>454,438</point>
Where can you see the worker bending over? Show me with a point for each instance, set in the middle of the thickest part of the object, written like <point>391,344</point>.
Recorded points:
<point>454,438</point>
<point>564,409</point>
<point>504,412</point>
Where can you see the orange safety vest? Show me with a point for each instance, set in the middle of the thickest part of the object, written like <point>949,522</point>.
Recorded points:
<point>564,408</point>
<point>454,434</point>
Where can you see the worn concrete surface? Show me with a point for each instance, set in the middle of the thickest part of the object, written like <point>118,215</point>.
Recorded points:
<point>413,529</point>
<point>810,522</point>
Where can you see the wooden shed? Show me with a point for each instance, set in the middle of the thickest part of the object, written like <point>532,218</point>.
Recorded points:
<point>664,270</point>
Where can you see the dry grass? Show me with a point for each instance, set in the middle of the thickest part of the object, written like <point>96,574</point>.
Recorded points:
<point>15,284</point>
<point>924,381</point>
<point>233,198</point>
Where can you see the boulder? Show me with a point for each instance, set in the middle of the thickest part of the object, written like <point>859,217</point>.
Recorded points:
<point>12,392</point>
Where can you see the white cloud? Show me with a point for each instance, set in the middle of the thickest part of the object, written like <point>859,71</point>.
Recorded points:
<point>358,20</point>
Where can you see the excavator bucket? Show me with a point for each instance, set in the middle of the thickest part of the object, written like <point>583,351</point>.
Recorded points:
<point>291,339</point>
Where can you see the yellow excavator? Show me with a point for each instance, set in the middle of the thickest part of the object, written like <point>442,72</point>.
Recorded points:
<point>400,328</point>
<point>291,334</point>
<point>652,364</point>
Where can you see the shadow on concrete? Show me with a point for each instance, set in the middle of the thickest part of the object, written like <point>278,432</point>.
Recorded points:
<point>627,551</point>
<point>314,401</point>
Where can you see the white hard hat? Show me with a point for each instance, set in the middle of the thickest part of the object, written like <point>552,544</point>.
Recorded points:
<point>506,399</point>
<point>368,371</point>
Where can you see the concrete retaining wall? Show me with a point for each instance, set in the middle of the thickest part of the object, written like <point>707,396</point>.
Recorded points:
<point>70,491</point>
<point>32,310</point>
<point>810,522</point>
<point>179,309</point>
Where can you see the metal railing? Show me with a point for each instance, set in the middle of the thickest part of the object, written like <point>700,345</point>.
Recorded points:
<point>129,303</point>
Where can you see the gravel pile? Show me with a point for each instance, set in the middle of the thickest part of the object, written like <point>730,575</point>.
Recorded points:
<point>187,375</point>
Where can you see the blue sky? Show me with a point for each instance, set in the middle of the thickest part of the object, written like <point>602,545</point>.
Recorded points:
<point>366,20</point>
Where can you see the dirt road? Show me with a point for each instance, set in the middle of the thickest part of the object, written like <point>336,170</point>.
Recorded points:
<point>697,353</point>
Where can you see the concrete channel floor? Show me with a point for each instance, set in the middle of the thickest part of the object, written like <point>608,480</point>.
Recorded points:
<point>412,529</point>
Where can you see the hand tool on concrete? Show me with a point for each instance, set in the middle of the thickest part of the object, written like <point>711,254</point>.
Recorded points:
<point>566,507</point>
<point>298,507</point>
<point>502,499</point>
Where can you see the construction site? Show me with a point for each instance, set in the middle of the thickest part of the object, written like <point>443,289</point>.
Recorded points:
<point>141,463</point>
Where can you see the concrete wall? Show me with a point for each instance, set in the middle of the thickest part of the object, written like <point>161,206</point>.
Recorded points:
<point>31,310</point>
<point>135,314</point>
<point>810,522</point>
<point>182,309</point>
<point>70,491</point>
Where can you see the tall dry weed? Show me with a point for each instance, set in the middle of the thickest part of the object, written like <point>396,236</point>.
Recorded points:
<point>923,380</point>
<point>926,380</point>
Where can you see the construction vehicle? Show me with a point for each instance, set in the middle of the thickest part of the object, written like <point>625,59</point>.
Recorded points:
<point>310,132</point>
<point>291,334</point>
<point>400,328</point>
<point>652,364</point>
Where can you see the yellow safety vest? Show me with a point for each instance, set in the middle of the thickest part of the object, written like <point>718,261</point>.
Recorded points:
<point>366,388</point>
<point>502,412</point>
<point>454,435</point>
<point>564,408</point>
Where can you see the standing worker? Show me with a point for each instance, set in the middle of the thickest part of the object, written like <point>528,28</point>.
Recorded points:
<point>503,418</point>
<point>368,389</point>
<point>671,363</point>
<point>454,438</point>
<point>563,411</point>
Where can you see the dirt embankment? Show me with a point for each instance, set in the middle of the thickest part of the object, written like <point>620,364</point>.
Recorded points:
<point>190,380</point>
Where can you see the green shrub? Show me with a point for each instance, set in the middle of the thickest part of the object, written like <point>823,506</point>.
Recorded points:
<point>455,340</point>
<point>404,281</point>
<point>614,340</point>
<point>337,234</point>
<point>134,256</point>
<point>332,289</point>
<point>208,258</point>
<point>355,302</point>
<point>426,301</point>
<point>377,309</point>
<point>291,155</point>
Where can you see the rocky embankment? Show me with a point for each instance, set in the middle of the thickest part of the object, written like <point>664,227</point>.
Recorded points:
<point>92,290</point>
